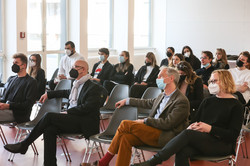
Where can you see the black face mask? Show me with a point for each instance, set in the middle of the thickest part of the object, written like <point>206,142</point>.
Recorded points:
<point>239,63</point>
<point>148,63</point>
<point>73,73</point>
<point>169,54</point>
<point>15,68</point>
<point>182,78</point>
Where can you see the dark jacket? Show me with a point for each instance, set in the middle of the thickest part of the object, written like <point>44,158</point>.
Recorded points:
<point>164,62</point>
<point>205,74</point>
<point>88,105</point>
<point>41,83</point>
<point>23,98</point>
<point>151,80</point>
<point>126,77</point>
<point>194,62</point>
<point>105,73</point>
<point>220,65</point>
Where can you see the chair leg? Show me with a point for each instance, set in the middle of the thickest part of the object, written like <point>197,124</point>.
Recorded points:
<point>143,156</point>
<point>91,150</point>
<point>100,145</point>
<point>17,139</point>
<point>4,140</point>
<point>67,152</point>
<point>246,147</point>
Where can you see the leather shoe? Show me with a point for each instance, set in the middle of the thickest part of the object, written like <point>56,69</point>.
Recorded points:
<point>146,163</point>
<point>96,163</point>
<point>16,148</point>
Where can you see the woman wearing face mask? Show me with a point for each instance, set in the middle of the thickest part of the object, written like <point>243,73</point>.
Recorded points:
<point>191,58</point>
<point>145,77</point>
<point>214,129</point>
<point>176,59</point>
<point>221,59</point>
<point>122,72</point>
<point>207,68</point>
<point>169,53</point>
<point>190,85</point>
<point>37,73</point>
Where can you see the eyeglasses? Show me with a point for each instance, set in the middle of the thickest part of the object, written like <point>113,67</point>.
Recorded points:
<point>203,58</point>
<point>212,81</point>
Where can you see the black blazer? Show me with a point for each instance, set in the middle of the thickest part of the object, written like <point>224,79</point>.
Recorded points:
<point>194,62</point>
<point>88,105</point>
<point>205,74</point>
<point>151,80</point>
<point>23,98</point>
<point>126,77</point>
<point>41,83</point>
<point>105,73</point>
<point>164,62</point>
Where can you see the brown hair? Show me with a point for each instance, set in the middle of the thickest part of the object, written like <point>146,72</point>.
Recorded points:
<point>180,56</point>
<point>33,70</point>
<point>22,57</point>
<point>151,56</point>
<point>224,56</point>
<point>124,67</point>
<point>227,84</point>
<point>246,54</point>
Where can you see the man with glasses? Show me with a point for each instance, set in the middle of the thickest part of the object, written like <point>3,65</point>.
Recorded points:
<point>19,96</point>
<point>82,115</point>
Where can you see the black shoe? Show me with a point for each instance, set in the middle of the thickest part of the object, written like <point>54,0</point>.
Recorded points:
<point>16,148</point>
<point>146,163</point>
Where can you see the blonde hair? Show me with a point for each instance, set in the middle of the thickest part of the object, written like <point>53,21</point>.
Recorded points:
<point>227,84</point>
<point>151,56</point>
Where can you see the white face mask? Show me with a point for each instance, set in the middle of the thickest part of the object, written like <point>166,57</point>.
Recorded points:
<point>32,64</point>
<point>187,54</point>
<point>213,88</point>
<point>67,52</point>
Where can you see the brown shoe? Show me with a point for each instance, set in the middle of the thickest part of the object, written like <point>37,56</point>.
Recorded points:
<point>96,163</point>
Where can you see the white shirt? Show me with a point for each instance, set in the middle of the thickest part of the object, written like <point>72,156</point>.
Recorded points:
<point>66,64</point>
<point>241,76</point>
<point>149,70</point>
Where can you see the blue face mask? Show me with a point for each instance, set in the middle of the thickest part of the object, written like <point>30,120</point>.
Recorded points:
<point>121,59</point>
<point>160,83</point>
<point>102,57</point>
<point>206,65</point>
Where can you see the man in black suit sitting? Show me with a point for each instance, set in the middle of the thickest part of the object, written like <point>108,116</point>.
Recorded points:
<point>82,115</point>
<point>19,96</point>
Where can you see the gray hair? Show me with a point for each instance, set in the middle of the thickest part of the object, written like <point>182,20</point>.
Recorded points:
<point>172,72</point>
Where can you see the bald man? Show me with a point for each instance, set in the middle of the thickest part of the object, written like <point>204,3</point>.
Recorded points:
<point>82,115</point>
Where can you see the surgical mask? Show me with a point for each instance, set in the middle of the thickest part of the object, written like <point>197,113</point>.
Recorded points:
<point>169,54</point>
<point>148,63</point>
<point>15,68</point>
<point>68,52</point>
<point>206,65</point>
<point>187,54</point>
<point>73,73</point>
<point>213,88</point>
<point>160,83</point>
<point>182,78</point>
<point>121,59</point>
<point>32,63</point>
<point>102,57</point>
<point>239,63</point>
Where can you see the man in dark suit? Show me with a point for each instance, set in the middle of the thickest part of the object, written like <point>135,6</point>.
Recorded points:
<point>82,115</point>
<point>169,116</point>
<point>19,97</point>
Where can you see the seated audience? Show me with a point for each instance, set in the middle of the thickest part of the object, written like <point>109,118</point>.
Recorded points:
<point>190,85</point>
<point>102,70</point>
<point>220,59</point>
<point>177,58</point>
<point>20,94</point>
<point>169,117</point>
<point>82,115</point>
<point>241,75</point>
<point>207,68</point>
<point>145,77</point>
<point>66,64</point>
<point>191,58</point>
<point>122,73</point>
<point>214,130</point>
<point>169,53</point>
<point>37,73</point>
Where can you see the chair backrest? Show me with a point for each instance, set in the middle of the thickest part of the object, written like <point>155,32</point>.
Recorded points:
<point>119,92</point>
<point>55,74</point>
<point>150,93</point>
<point>63,85</point>
<point>50,105</point>
<point>123,113</point>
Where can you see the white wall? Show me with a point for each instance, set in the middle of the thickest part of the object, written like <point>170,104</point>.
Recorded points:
<point>208,24</point>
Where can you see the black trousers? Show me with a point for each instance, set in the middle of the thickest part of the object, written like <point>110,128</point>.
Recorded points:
<point>51,125</point>
<point>190,143</point>
<point>136,91</point>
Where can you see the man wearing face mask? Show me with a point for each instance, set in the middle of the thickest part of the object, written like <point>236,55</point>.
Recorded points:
<point>19,96</point>
<point>102,70</point>
<point>82,115</point>
<point>169,52</point>
<point>241,75</point>
<point>66,63</point>
<point>169,116</point>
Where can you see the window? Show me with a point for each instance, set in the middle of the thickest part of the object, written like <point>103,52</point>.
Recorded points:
<point>99,23</point>
<point>142,23</point>
<point>46,23</point>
